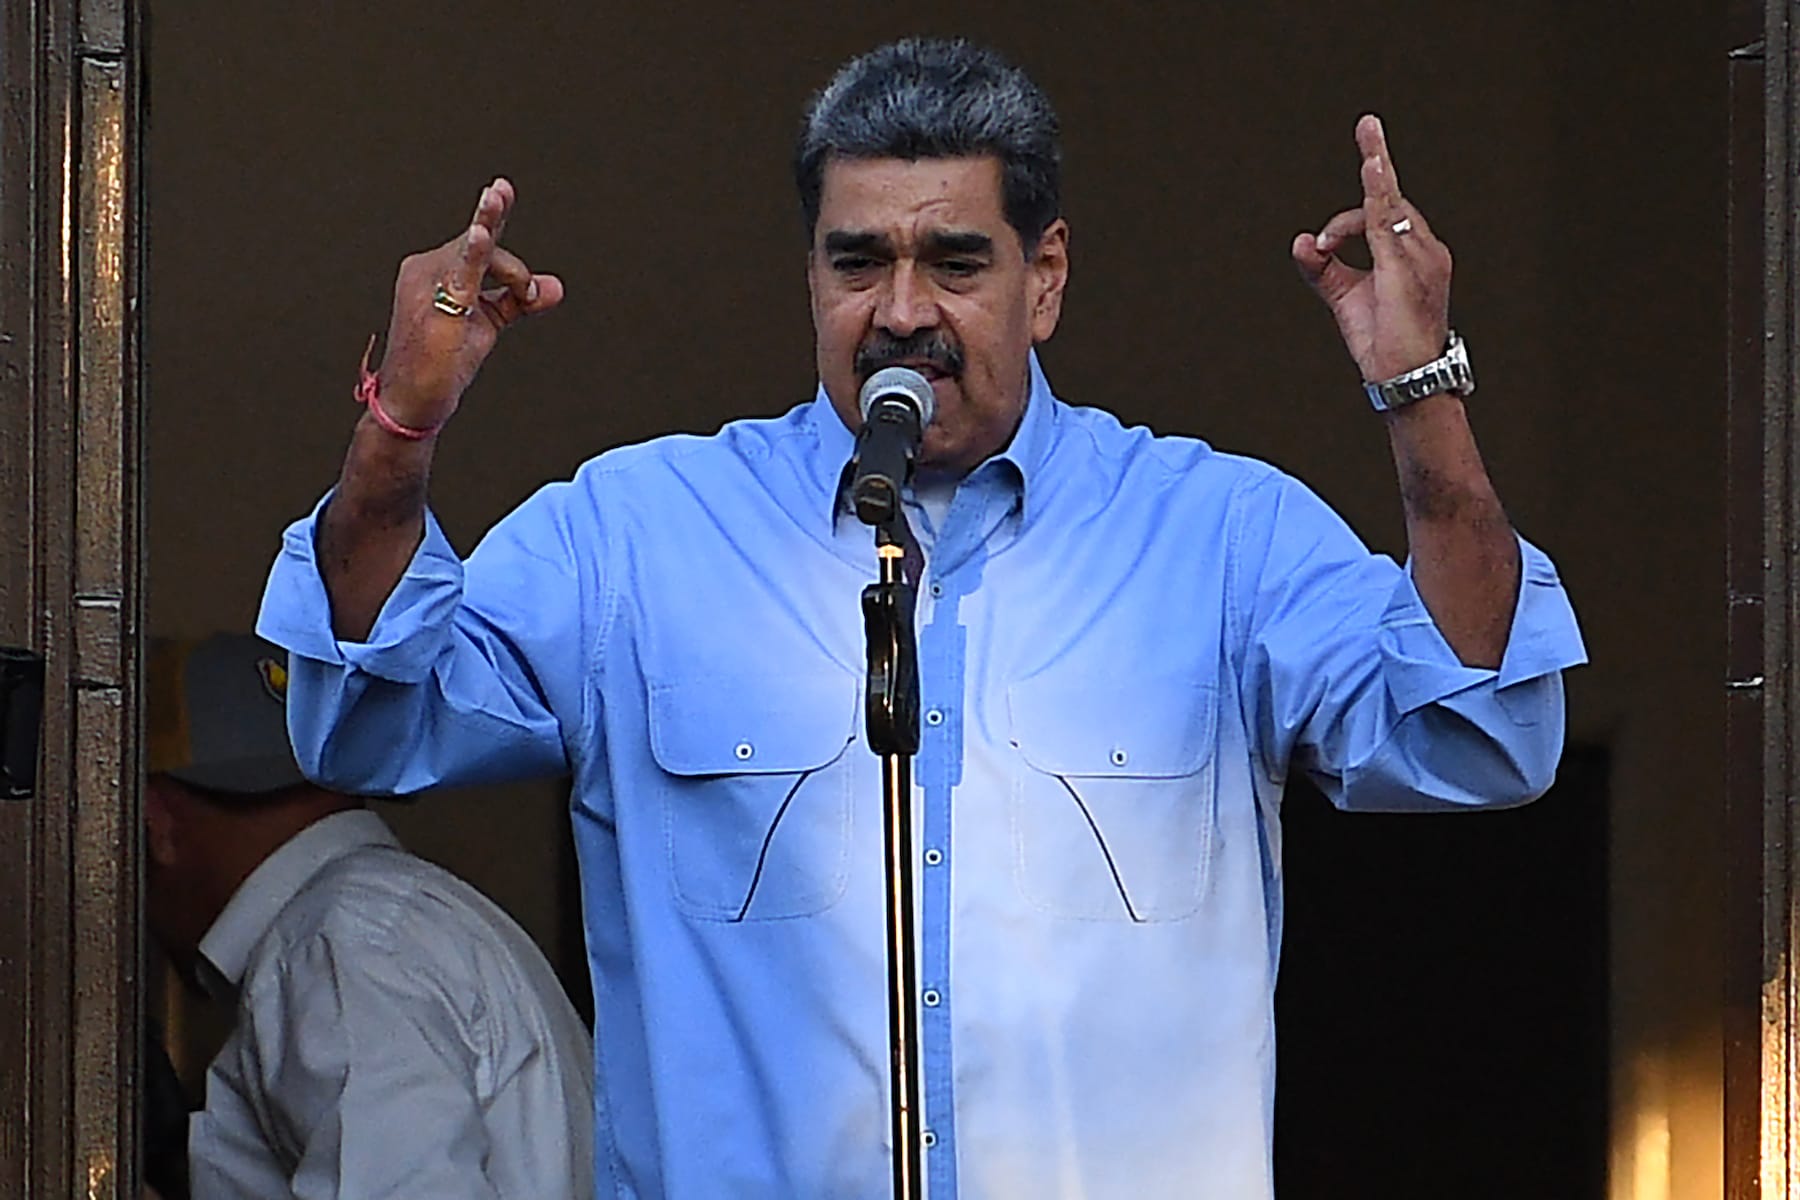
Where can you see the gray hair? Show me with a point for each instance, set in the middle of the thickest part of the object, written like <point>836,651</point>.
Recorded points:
<point>935,98</point>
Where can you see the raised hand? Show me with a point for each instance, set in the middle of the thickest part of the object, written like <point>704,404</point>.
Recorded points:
<point>450,306</point>
<point>445,321</point>
<point>1396,315</point>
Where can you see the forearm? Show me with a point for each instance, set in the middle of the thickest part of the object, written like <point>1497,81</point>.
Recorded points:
<point>372,525</point>
<point>1464,554</point>
<point>462,679</point>
<point>442,326</point>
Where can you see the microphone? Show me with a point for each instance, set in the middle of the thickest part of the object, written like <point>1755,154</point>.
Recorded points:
<point>897,404</point>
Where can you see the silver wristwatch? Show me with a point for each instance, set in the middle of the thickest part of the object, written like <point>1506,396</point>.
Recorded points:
<point>1451,373</point>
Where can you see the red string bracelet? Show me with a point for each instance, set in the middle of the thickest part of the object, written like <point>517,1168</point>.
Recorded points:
<point>368,391</point>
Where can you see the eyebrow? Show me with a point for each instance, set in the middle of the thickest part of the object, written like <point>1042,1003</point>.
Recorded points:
<point>843,241</point>
<point>952,242</point>
<point>848,241</point>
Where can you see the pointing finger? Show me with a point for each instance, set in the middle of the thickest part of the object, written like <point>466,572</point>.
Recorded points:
<point>472,251</point>
<point>496,204</point>
<point>1393,224</point>
<point>1371,139</point>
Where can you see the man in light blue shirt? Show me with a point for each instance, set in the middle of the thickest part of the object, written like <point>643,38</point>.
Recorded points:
<point>1126,643</point>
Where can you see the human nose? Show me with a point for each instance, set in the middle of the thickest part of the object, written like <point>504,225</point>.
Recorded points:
<point>906,304</point>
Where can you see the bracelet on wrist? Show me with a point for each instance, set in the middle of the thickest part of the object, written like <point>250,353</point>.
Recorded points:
<point>368,393</point>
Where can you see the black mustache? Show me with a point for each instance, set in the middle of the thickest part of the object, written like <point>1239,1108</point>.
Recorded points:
<point>926,345</point>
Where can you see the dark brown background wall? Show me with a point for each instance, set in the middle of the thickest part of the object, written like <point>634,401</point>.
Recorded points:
<point>1571,155</point>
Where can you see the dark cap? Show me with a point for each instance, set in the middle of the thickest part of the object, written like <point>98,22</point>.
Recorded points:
<point>217,714</point>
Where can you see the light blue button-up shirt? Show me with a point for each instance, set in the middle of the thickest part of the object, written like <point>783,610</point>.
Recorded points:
<point>1125,644</point>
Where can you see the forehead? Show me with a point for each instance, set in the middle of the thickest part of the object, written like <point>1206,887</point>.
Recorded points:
<point>899,196</point>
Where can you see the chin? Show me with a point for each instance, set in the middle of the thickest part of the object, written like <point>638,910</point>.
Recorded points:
<point>936,449</point>
<point>948,453</point>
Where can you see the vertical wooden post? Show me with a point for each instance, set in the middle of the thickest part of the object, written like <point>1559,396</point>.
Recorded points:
<point>1762,1144</point>
<point>70,950</point>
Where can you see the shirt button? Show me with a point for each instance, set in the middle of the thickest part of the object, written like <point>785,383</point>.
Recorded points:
<point>744,750</point>
<point>934,716</point>
<point>931,998</point>
<point>933,857</point>
<point>937,589</point>
<point>1118,758</point>
<point>930,1139</point>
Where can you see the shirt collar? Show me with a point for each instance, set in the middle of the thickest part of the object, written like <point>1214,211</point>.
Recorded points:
<point>1027,453</point>
<point>225,950</point>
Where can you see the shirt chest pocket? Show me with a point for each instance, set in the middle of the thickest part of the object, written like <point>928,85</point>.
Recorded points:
<point>1113,802</point>
<point>755,793</point>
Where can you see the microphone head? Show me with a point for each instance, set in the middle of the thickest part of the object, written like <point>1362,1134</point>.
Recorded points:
<point>902,382</point>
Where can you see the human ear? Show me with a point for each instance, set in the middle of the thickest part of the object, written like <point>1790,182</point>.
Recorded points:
<point>1049,275</point>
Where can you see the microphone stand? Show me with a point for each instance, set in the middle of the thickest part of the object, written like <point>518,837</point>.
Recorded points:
<point>892,724</point>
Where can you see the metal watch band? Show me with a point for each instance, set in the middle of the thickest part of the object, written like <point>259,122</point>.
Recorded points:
<point>1450,373</point>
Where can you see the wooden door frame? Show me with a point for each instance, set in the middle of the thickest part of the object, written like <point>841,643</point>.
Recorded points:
<point>70,535</point>
<point>71,188</point>
<point>1762,1143</point>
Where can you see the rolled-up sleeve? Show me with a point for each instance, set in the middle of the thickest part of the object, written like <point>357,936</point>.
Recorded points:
<point>467,674</point>
<point>1347,676</point>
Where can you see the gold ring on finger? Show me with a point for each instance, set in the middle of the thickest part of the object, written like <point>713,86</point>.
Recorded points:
<point>1402,227</point>
<point>449,305</point>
